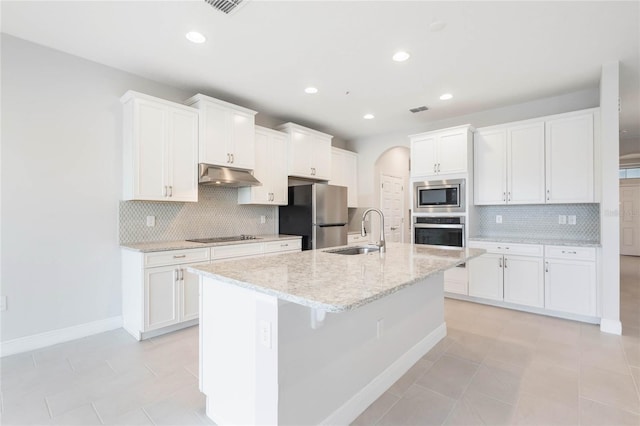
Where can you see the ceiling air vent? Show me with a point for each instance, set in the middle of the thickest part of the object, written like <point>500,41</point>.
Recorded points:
<point>419,109</point>
<point>227,7</point>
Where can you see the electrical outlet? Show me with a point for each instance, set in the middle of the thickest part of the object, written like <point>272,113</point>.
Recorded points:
<point>379,328</point>
<point>498,218</point>
<point>263,219</point>
<point>3,303</point>
<point>265,334</point>
<point>562,219</point>
<point>151,221</point>
<point>572,219</point>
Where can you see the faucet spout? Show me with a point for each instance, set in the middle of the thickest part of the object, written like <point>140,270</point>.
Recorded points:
<point>364,231</point>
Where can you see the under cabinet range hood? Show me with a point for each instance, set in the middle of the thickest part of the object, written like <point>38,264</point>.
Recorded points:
<point>209,174</point>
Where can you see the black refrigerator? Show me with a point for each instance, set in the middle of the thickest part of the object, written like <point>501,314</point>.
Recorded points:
<point>317,212</point>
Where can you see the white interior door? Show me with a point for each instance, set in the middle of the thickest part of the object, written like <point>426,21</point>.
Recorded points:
<point>630,218</point>
<point>392,206</point>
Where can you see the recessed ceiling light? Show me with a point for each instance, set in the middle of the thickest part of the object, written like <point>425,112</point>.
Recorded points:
<point>446,97</point>
<point>368,116</point>
<point>195,37</point>
<point>437,26</point>
<point>401,56</point>
<point>311,90</point>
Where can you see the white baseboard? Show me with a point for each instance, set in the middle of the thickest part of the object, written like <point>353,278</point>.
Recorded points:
<point>37,341</point>
<point>611,326</point>
<point>351,409</point>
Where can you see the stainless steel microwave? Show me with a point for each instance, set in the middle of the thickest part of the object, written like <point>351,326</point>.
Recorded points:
<point>439,196</point>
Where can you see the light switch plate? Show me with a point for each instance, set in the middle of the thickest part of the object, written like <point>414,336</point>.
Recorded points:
<point>151,221</point>
<point>498,218</point>
<point>562,219</point>
<point>263,219</point>
<point>572,219</point>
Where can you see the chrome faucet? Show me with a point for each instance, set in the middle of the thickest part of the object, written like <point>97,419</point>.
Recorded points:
<point>364,231</point>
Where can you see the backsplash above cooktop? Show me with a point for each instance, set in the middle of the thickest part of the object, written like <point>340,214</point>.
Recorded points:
<point>216,214</point>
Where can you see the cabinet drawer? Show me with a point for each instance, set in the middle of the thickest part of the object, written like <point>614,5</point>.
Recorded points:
<point>509,248</point>
<point>286,245</point>
<point>174,257</point>
<point>236,250</point>
<point>570,252</point>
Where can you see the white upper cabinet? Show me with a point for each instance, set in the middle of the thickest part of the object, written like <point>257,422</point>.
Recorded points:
<point>441,152</point>
<point>309,152</point>
<point>569,151</point>
<point>548,160</point>
<point>160,149</point>
<point>227,133</point>
<point>509,164</point>
<point>344,172</point>
<point>270,170</point>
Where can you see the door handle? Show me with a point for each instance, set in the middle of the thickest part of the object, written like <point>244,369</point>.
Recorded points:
<point>500,262</point>
<point>438,167</point>
<point>509,196</point>
<point>164,192</point>
<point>393,228</point>
<point>546,266</point>
<point>175,256</point>
<point>232,159</point>
<point>228,158</point>
<point>435,167</point>
<point>504,196</point>
<point>548,194</point>
<point>176,275</point>
<point>170,191</point>
<point>505,262</point>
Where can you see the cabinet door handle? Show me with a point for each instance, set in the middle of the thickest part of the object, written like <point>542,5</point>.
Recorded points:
<point>164,192</point>
<point>505,262</point>
<point>228,158</point>
<point>175,256</point>
<point>509,196</point>
<point>548,194</point>
<point>170,191</point>
<point>438,167</point>
<point>569,252</point>
<point>504,196</point>
<point>176,275</point>
<point>284,245</point>
<point>546,266</point>
<point>181,274</point>
<point>500,262</point>
<point>232,159</point>
<point>435,167</point>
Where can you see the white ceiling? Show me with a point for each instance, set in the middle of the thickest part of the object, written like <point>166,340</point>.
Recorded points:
<point>490,54</point>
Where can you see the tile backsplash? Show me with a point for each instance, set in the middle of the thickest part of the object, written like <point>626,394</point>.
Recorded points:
<point>539,221</point>
<point>216,214</point>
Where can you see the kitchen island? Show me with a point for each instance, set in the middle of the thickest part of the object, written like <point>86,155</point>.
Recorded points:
<point>315,337</point>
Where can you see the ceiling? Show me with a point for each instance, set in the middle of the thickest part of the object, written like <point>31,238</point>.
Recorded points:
<point>488,55</point>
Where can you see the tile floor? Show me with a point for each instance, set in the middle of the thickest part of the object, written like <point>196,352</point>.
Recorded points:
<point>495,367</point>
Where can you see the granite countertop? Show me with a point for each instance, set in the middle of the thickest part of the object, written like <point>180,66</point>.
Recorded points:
<point>545,241</point>
<point>183,245</point>
<point>334,282</point>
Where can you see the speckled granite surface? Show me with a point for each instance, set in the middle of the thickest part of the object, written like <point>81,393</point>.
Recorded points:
<point>180,245</point>
<point>335,282</point>
<point>545,241</point>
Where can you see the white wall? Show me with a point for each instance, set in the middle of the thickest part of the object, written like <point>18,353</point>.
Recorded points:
<point>369,149</point>
<point>609,207</point>
<point>61,182</point>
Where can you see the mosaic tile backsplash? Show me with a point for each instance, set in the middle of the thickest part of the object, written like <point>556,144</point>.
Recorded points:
<point>539,221</point>
<point>216,214</point>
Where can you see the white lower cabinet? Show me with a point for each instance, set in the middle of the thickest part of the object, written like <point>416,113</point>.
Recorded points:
<point>508,272</point>
<point>560,279</point>
<point>456,280</point>
<point>570,280</point>
<point>159,294</point>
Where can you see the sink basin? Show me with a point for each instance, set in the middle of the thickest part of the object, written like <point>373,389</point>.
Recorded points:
<point>355,250</point>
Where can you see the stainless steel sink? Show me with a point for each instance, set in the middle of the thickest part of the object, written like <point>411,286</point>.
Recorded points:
<point>355,250</point>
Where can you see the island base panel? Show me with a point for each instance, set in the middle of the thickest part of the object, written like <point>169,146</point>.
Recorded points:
<point>263,362</point>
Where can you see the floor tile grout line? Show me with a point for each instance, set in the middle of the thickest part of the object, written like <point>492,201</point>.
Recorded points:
<point>95,410</point>
<point>111,367</point>
<point>385,412</point>
<point>148,416</point>
<point>46,402</point>
<point>150,369</point>
<point>606,404</point>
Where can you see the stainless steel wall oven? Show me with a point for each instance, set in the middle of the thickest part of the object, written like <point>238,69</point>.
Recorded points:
<point>439,231</point>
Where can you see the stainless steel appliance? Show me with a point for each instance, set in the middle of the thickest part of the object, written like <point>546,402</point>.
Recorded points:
<point>209,174</point>
<point>439,196</point>
<point>317,212</point>
<point>439,231</point>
